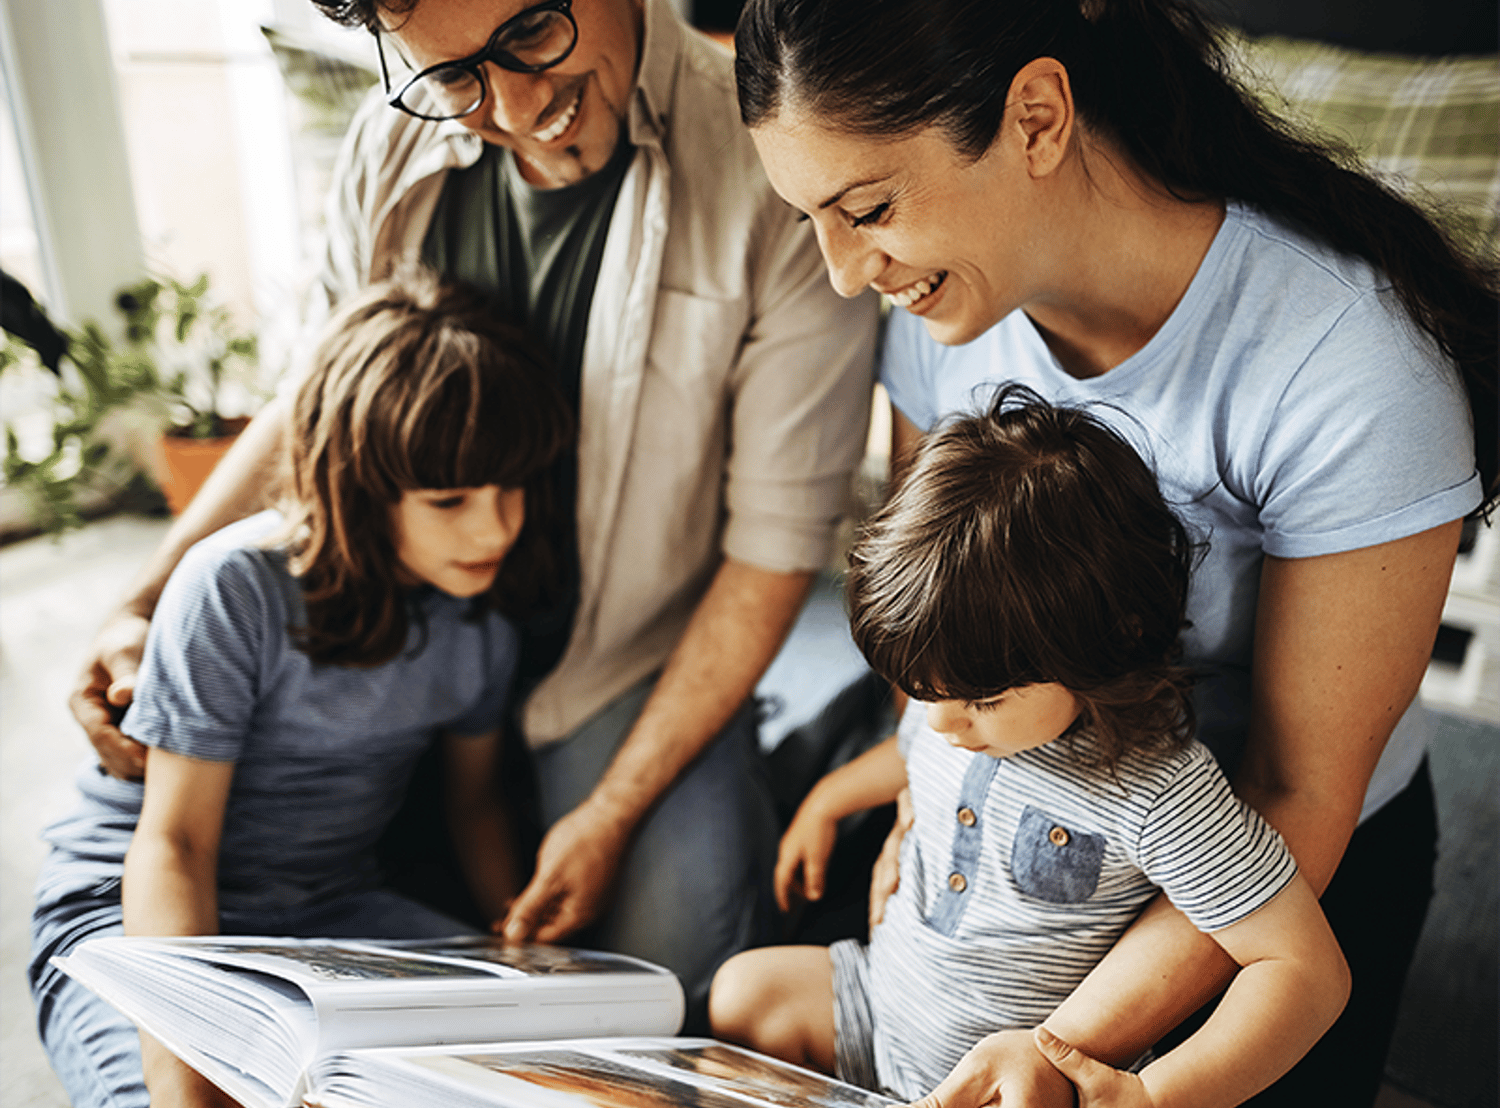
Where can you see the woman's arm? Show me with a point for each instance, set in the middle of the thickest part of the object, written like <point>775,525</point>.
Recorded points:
<point>170,888</point>
<point>1293,985</point>
<point>480,827</point>
<point>1341,644</point>
<point>872,779</point>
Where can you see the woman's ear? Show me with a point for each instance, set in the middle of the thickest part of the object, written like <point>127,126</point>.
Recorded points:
<point>1040,105</point>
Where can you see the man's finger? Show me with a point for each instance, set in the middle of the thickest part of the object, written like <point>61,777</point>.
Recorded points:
<point>121,756</point>
<point>121,690</point>
<point>520,921</point>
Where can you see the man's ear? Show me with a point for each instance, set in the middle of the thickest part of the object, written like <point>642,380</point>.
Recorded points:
<point>1040,105</point>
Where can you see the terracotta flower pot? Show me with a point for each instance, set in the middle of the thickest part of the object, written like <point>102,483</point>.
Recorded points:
<point>186,463</point>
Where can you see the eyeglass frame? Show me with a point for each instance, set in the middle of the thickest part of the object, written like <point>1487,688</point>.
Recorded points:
<point>474,63</point>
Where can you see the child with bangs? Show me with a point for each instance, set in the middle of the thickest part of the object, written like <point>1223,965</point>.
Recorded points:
<point>303,659</point>
<point>1026,588</point>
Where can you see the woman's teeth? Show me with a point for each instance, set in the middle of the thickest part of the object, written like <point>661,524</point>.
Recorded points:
<point>908,296</point>
<point>561,123</point>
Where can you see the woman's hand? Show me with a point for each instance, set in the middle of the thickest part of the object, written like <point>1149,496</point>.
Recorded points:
<point>1098,1085</point>
<point>1005,1070</point>
<point>886,875</point>
<point>802,859</point>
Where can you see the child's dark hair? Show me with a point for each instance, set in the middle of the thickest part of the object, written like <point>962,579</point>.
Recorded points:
<point>1026,546</point>
<point>416,384</point>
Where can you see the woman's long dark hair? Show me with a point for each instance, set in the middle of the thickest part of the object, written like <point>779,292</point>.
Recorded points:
<point>417,384</point>
<point>1152,77</point>
<point>1031,545</point>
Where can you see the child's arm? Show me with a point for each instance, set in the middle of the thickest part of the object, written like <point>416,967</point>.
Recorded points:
<point>172,864</point>
<point>872,779</point>
<point>478,822</point>
<point>1292,984</point>
<point>170,888</point>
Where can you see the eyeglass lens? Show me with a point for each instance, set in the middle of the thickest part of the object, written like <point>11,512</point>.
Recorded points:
<point>530,42</point>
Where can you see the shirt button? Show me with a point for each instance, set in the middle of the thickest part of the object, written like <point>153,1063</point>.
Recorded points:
<point>1059,836</point>
<point>957,883</point>
<point>967,817</point>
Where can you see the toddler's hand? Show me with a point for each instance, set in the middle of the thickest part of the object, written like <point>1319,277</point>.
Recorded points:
<point>885,876</point>
<point>802,860</point>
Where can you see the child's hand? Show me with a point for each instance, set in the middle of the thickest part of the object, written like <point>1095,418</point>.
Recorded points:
<point>802,860</point>
<point>885,876</point>
<point>1098,1085</point>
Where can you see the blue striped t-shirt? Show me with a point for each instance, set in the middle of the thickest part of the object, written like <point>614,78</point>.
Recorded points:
<point>1020,873</point>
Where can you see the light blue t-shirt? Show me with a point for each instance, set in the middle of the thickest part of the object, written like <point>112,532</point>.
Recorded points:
<point>322,753</point>
<point>1288,406</point>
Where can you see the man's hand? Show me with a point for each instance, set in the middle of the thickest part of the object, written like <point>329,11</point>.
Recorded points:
<point>886,875</point>
<point>106,687</point>
<point>1005,1070</point>
<point>575,868</point>
<point>1099,1085</point>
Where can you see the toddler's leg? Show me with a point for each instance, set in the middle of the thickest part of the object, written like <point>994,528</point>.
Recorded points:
<point>777,1000</point>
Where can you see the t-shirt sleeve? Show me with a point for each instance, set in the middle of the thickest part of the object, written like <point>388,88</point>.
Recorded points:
<point>200,675</point>
<point>488,710</point>
<point>1209,851</point>
<point>1370,441</point>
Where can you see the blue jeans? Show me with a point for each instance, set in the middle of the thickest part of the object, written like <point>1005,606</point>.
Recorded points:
<point>695,884</point>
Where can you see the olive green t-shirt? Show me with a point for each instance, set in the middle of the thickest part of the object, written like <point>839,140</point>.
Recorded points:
<point>538,252</point>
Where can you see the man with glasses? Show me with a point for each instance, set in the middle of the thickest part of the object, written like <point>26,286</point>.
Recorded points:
<point>584,159</point>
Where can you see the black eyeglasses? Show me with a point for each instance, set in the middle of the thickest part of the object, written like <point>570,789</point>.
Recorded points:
<point>536,39</point>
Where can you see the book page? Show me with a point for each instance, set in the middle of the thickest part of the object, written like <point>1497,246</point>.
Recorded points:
<point>582,1073</point>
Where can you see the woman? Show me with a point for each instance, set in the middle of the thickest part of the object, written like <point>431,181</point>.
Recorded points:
<point>1078,199</point>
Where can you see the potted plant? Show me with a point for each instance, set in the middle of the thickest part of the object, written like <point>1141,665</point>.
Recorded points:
<point>112,417</point>
<point>201,359</point>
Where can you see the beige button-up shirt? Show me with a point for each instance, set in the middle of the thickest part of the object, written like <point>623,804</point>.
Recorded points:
<point>725,386</point>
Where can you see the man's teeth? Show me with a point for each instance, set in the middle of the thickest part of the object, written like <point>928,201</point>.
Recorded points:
<point>912,293</point>
<point>560,124</point>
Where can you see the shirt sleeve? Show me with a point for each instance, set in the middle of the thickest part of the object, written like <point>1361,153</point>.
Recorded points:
<point>200,674</point>
<point>801,392</point>
<point>1210,852</point>
<point>1370,441</point>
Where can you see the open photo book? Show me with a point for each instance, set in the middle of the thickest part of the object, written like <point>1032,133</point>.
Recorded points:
<point>254,1014</point>
<point>577,1073</point>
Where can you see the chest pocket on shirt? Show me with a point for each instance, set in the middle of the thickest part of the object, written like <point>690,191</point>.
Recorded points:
<point>1054,862</point>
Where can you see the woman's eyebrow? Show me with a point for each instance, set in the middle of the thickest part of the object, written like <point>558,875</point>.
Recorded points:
<point>850,187</point>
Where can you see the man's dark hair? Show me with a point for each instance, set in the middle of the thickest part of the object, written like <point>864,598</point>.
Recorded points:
<point>363,13</point>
